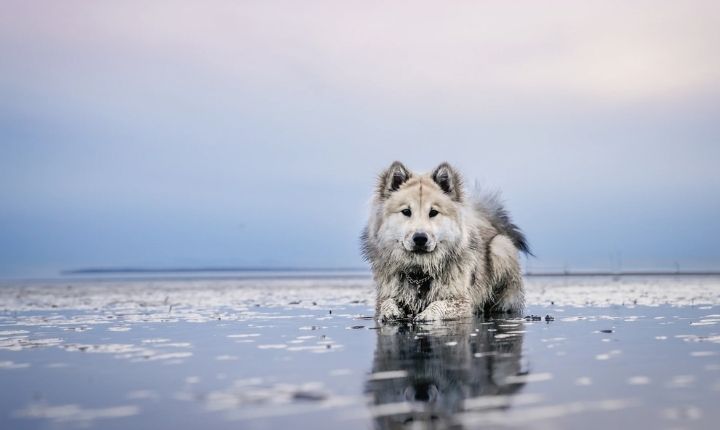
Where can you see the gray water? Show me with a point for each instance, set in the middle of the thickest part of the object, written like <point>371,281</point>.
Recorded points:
<point>139,354</point>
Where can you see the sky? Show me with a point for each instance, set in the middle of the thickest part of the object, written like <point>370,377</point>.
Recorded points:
<point>250,133</point>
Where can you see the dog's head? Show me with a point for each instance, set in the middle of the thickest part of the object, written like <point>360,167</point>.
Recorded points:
<point>420,214</point>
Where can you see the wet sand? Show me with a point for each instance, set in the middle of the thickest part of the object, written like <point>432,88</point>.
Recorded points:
<point>273,353</point>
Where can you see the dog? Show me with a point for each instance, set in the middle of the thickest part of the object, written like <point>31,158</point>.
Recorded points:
<point>437,253</point>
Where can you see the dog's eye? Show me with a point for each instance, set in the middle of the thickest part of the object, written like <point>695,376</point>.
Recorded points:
<point>406,212</point>
<point>433,213</point>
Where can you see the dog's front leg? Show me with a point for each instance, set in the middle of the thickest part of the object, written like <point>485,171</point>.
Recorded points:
<point>388,310</point>
<point>445,310</point>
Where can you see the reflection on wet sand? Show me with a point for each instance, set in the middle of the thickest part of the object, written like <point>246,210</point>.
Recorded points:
<point>424,375</point>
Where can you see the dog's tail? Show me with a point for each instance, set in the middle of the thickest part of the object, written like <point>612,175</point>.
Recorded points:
<point>491,206</point>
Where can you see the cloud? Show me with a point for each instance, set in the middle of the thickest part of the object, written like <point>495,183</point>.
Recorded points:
<point>467,55</point>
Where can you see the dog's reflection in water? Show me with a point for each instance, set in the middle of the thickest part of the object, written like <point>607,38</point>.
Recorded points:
<point>423,374</point>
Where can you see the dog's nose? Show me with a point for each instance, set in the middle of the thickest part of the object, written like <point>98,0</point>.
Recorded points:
<point>420,239</point>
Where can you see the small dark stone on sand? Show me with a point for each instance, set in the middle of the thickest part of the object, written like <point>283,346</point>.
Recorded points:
<point>309,395</point>
<point>314,303</point>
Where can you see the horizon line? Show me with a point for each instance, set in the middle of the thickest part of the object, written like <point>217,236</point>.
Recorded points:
<point>291,269</point>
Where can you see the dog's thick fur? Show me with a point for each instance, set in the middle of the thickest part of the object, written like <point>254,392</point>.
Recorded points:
<point>468,261</point>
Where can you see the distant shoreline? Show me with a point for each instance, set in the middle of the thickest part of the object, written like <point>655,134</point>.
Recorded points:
<point>627,273</point>
<point>345,270</point>
<point>161,270</point>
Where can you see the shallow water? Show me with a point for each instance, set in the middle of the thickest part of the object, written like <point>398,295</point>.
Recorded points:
<point>270,354</point>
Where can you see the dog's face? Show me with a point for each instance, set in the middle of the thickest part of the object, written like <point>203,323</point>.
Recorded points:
<point>421,214</point>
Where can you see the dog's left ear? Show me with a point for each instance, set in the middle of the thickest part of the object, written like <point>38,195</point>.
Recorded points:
<point>449,181</point>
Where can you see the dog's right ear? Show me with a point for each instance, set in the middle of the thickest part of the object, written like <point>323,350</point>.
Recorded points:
<point>391,179</point>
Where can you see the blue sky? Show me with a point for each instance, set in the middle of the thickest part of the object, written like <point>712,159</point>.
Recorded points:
<point>250,133</point>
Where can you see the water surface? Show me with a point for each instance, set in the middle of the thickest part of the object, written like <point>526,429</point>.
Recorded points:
<point>274,353</point>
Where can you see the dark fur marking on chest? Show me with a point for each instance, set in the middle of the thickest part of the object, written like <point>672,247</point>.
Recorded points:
<point>419,281</point>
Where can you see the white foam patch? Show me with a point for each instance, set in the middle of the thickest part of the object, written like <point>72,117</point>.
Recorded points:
<point>500,401</point>
<point>609,355</point>
<point>531,377</point>
<point>226,357</point>
<point>703,353</point>
<point>174,345</point>
<point>682,413</point>
<point>159,340</point>
<point>533,414</point>
<point>76,413</point>
<point>390,374</point>
<point>13,365</point>
<point>22,343</point>
<point>583,381</point>
<point>639,380</point>
<point>389,409</point>
<point>142,395</point>
<point>681,381</point>
<point>13,332</point>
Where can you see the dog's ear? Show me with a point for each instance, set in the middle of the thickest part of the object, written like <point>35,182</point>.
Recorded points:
<point>449,181</point>
<point>391,179</point>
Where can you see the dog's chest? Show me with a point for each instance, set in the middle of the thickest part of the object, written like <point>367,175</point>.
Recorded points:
<point>416,295</point>
<point>420,289</point>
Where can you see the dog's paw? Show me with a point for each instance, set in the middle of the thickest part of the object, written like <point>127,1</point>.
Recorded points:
<point>389,311</point>
<point>512,302</point>
<point>434,312</point>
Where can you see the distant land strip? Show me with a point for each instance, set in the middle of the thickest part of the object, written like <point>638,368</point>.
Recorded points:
<point>160,270</point>
<point>190,270</point>
<point>626,273</point>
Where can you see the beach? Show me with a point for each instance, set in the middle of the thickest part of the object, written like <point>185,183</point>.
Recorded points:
<point>272,352</point>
